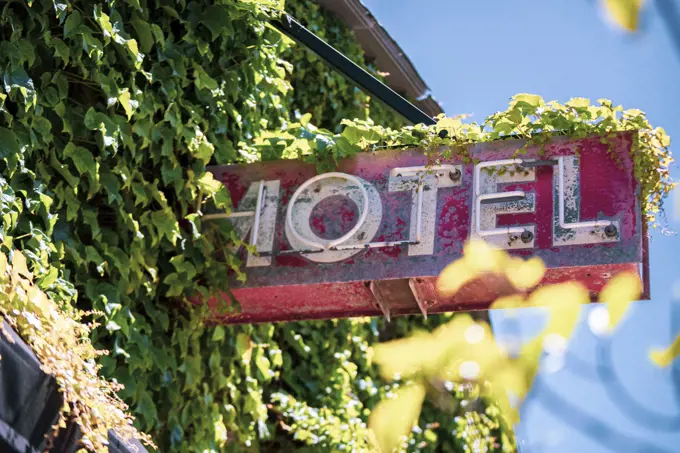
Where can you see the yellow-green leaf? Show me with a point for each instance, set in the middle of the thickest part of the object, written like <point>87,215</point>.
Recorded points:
<point>124,99</point>
<point>134,50</point>
<point>564,303</point>
<point>618,294</point>
<point>392,419</point>
<point>482,257</point>
<point>209,184</point>
<point>408,356</point>
<point>104,22</point>
<point>523,274</point>
<point>578,102</point>
<point>454,276</point>
<point>19,265</point>
<point>664,357</point>
<point>244,347</point>
<point>625,13</point>
<point>305,119</point>
<point>508,303</point>
<point>220,431</point>
<point>532,99</point>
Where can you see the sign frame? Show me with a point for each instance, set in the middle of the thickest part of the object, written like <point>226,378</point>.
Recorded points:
<point>299,274</point>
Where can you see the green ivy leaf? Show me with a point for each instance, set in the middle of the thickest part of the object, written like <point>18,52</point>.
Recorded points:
<point>158,35</point>
<point>73,22</point>
<point>356,135</point>
<point>110,182</point>
<point>124,99</point>
<point>147,408</point>
<point>9,147</point>
<point>84,161</point>
<point>48,279</point>
<point>99,121</point>
<point>27,52</point>
<point>18,80</point>
<point>218,333</point>
<point>203,79</point>
<point>166,225</point>
<point>143,31</point>
<point>217,19</point>
<point>531,99</point>
<point>170,11</point>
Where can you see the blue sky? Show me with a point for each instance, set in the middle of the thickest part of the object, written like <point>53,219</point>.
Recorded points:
<point>475,55</point>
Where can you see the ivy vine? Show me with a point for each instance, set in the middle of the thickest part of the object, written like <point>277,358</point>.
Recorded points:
<point>528,118</point>
<point>60,339</point>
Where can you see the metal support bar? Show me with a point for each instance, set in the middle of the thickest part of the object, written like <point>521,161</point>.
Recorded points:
<point>418,295</point>
<point>293,29</point>
<point>380,300</point>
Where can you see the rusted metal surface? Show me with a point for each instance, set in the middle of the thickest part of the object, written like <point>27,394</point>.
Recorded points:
<point>352,244</point>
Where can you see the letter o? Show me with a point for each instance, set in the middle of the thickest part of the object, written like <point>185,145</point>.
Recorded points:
<point>304,200</point>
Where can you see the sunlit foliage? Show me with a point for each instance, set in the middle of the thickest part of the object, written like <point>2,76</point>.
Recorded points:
<point>464,352</point>
<point>624,13</point>
<point>664,357</point>
<point>110,113</point>
<point>528,117</point>
<point>60,339</point>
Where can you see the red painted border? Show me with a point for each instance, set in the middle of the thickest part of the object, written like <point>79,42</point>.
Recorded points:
<point>296,289</point>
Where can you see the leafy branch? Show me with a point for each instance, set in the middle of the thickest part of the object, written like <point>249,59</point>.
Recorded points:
<point>465,352</point>
<point>528,117</point>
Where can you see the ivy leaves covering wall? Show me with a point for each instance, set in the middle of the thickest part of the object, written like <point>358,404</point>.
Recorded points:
<point>109,113</point>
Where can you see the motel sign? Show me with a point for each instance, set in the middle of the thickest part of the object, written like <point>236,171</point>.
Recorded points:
<point>371,237</point>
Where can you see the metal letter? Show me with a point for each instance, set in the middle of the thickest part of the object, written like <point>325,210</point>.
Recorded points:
<point>306,197</point>
<point>567,229</point>
<point>488,204</point>
<point>257,214</point>
<point>423,182</point>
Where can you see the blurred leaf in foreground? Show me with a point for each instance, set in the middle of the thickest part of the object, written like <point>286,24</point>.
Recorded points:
<point>393,419</point>
<point>410,356</point>
<point>625,13</point>
<point>465,351</point>
<point>664,357</point>
<point>525,274</point>
<point>564,303</point>
<point>618,294</point>
<point>479,258</point>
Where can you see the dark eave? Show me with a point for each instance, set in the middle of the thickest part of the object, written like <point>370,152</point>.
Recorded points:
<point>385,52</point>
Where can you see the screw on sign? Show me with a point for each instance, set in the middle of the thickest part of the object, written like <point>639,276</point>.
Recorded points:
<point>372,237</point>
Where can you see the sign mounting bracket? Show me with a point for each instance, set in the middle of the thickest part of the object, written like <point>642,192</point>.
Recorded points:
<point>355,73</point>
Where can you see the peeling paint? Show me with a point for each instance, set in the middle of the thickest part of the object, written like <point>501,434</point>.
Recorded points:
<point>294,282</point>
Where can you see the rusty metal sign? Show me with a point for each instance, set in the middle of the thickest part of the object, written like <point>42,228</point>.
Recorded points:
<point>372,237</point>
